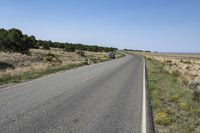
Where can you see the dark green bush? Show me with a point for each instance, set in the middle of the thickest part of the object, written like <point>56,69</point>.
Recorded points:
<point>52,59</point>
<point>14,41</point>
<point>195,87</point>
<point>176,73</point>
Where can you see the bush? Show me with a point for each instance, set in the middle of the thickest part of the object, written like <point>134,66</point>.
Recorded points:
<point>188,68</point>
<point>45,46</point>
<point>195,87</point>
<point>186,62</point>
<point>70,48</point>
<point>176,73</point>
<point>80,52</point>
<point>14,41</point>
<point>183,106</point>
<point>162,118</point>
<point>174,98</point>
<point>168,61</point>
<point>197,112</point>
<point>52,59</point>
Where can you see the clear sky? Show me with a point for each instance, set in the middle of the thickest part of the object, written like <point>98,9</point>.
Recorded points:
<point>157,25</point>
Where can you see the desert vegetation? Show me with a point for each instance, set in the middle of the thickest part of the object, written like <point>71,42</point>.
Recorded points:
<point>175,109</point>
<point>23,57</point>
<point>174,88</point>
<point>186,66</point>
<point>17,67</point>
<point>13,40</point>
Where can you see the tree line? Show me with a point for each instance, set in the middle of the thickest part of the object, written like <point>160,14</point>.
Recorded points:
<point>137,50</point>
<point>13,40</point>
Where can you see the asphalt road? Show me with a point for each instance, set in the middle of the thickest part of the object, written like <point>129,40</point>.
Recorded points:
<point>100,98</point>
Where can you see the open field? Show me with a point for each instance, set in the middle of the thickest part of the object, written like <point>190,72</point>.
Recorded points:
<point>186,65</point>
<point>174,109</point>
<point>16,67</point>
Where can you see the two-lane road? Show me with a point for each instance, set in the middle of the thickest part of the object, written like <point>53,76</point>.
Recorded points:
<point>100,98</point>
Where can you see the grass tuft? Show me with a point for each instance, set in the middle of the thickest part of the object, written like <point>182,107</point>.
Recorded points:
<point>162,118</point>
<point>183,106</point>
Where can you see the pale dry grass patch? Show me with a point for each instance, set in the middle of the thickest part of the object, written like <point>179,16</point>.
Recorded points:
<point>187,64</point>
<point>21,66</point>
<point>20,70</point>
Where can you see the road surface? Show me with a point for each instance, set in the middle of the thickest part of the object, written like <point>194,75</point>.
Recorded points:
<point>100,98</point>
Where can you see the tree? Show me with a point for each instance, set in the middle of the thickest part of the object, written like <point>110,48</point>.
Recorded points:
<point>29,41</point>
<point>45,45</point>
<point>13,40</point>
<point>69,48</point>
<point>3,40</point>
<point>16,42</point>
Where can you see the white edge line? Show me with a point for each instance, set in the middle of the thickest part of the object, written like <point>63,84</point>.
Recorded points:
<point>143,127</point>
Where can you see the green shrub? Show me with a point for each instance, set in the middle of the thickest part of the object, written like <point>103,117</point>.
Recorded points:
<point>174,98</point>
<point>196,96</point>
<point>183,106</point>
<point>70,48</point>
<point>162,118</point>
<point>168,61</point>
<point>45,46</point>
<point>197,112</point>
<point>195,87</point>
<point>52,59</point>
<point>176,73</point>
<point>14,41</point>
<point>186,62</point>
<point>49,57</point>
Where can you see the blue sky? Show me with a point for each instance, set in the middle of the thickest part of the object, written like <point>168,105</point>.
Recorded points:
<point>157,25</point>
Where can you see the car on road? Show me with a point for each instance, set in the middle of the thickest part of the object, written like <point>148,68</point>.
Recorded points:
<point>111,55</point>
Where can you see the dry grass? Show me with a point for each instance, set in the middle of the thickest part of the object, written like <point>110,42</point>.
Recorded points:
<point>188,65</point>
<point>174,109</point>
<point>15,64</point>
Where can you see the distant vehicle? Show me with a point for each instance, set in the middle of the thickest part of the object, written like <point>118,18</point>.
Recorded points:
<point>111,55</point>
